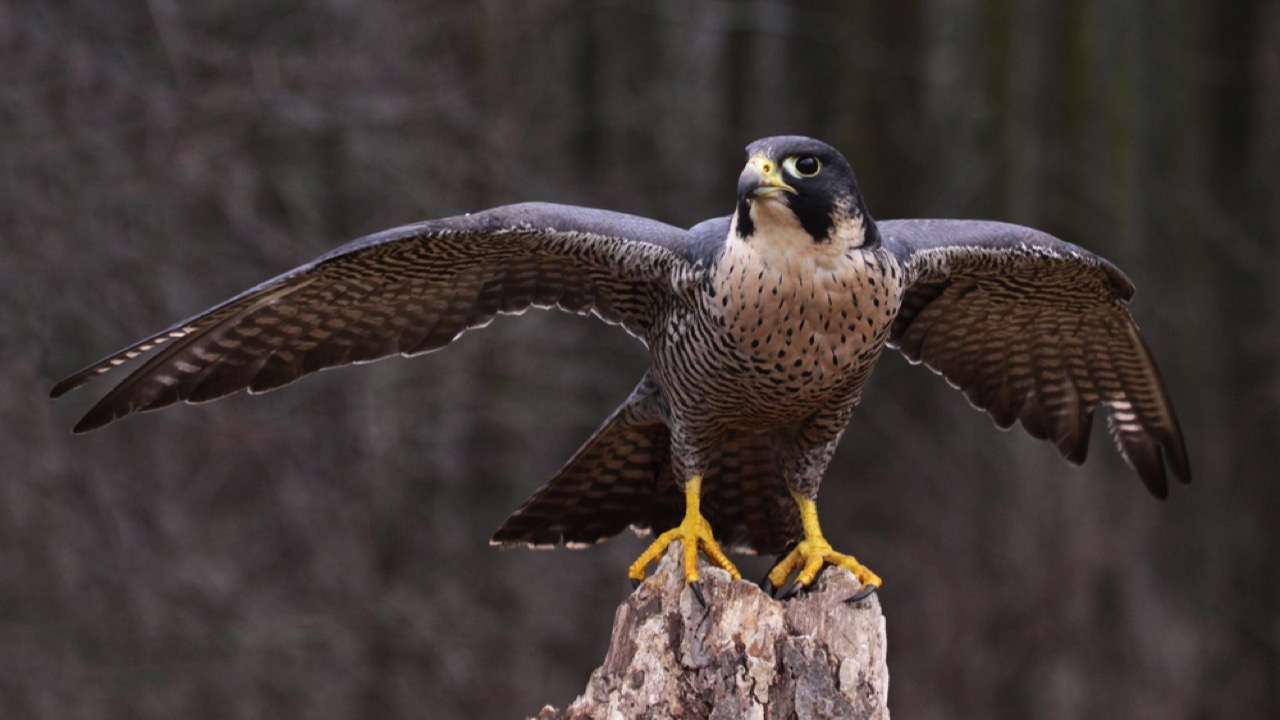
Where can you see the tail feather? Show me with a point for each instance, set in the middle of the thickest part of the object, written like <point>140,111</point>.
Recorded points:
<point>746,499</point>
<point>610,484</point>
<point>622,477</point>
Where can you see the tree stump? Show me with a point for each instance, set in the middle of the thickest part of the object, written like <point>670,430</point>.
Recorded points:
<point>744,655</point>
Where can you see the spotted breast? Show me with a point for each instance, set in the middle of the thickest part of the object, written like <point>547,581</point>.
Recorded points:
<point>797,325</point>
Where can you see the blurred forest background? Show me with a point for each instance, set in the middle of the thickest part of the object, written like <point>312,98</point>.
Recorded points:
<point>321,552</point>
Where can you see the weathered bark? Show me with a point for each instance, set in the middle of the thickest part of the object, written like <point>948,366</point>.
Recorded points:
<point>744,655</point>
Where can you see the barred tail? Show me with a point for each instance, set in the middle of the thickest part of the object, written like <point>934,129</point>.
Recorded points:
<point>620,477</point>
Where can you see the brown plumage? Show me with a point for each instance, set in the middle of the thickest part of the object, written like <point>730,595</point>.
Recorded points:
<point>763,329</point>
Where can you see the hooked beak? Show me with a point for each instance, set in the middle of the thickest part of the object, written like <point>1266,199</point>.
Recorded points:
<point>762,178</point>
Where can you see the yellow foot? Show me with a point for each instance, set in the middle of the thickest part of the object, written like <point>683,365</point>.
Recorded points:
<point>692,532</point>
<point>808,558</point>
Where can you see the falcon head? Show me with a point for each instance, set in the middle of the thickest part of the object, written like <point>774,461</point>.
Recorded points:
<point>795,182</point>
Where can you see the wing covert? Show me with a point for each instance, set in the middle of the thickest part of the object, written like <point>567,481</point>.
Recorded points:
<point>406,291</point>
<point>1035,330</point>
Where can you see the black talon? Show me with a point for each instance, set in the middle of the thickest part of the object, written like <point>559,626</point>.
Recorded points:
<point>863,594</point>
<point>696,587</point>
<point>797,588</point>
<point>768,587</point>
<point>791,591</point>
<point>635,583</point>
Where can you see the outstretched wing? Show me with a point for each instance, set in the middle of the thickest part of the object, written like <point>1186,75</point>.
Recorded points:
<point>1035,330</point>
<point>407,290</point>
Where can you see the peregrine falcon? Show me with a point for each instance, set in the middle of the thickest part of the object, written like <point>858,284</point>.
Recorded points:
<point>762,327</point>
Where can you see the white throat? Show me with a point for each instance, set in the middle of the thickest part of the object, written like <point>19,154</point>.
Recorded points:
<point>780,241</point>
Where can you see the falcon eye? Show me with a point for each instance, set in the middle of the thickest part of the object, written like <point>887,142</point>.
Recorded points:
<point>805,166</point>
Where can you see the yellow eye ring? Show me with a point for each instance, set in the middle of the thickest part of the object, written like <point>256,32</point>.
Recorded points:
<point>803,166</point>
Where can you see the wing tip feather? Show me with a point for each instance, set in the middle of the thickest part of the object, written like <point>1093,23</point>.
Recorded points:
<point>99,415</point>
<point>63,387</point>
<point>84,376</point>
<point>89,422</point>
<point>1155,462</point>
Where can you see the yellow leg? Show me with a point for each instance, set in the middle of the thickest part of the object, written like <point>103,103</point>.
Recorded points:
<point>693,531</point>
<point>813,552</point>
